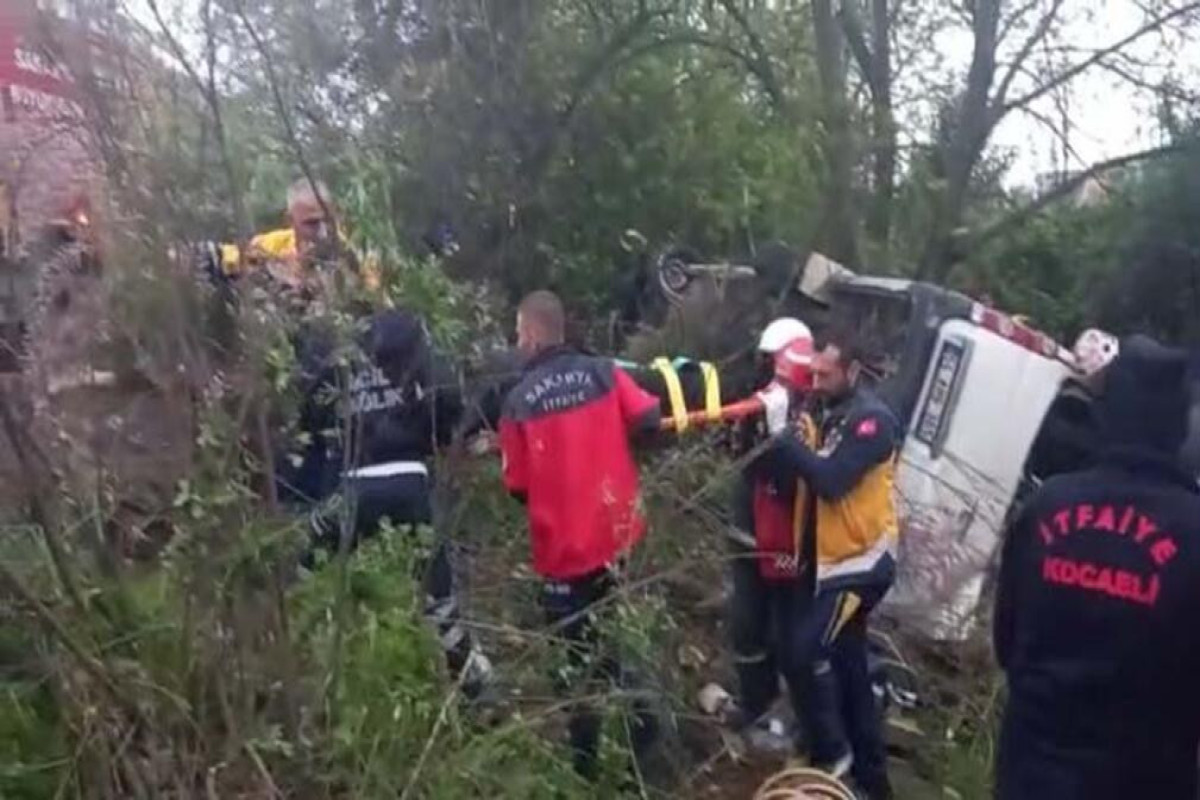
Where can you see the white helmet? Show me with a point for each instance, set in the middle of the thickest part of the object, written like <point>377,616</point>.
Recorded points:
<point>1094,350</point>
<point>780,332</point>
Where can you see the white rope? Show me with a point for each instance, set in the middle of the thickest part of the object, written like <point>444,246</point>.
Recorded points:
<point>803,783</point>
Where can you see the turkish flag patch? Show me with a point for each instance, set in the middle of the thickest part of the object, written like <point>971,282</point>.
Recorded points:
<point>867,428</point>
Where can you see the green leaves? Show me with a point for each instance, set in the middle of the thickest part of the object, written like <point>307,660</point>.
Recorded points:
<point>1128,262</point>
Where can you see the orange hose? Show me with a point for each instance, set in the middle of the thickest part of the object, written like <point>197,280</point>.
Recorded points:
<point>730,413</point>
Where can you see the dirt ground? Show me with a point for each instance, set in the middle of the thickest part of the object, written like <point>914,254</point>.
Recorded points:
<point>727,774</point>
<point>503,591</point>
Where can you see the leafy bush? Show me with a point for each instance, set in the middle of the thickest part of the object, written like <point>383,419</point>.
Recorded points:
<point>213,668</point>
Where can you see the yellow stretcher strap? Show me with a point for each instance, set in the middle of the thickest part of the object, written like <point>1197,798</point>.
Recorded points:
<point>674,393</point>
<point>712,391</point>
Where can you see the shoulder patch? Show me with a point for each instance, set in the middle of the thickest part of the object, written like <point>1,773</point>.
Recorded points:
<point>867,428</point>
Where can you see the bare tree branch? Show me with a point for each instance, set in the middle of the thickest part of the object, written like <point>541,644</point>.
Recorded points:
<point>621,48</point>
<point>285,118</point>
<point>1039,34</point>
<point>762,57</point>
<point>208,91</point>
<point>696,39</point>
<point>1166,91</point>
<point>856,39</point>
<point>1096,58</point>
<point>1014,19</point>
<point>599,65</point>
<point>1055,129</point>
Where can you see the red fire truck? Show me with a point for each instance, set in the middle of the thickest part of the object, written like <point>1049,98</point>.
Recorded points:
<point>47,167</point>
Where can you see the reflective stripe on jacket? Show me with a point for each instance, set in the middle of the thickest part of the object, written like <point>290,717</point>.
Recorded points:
<point>852,476</point>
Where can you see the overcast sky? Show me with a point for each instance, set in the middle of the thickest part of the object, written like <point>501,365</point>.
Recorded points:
<point>1109,117</point>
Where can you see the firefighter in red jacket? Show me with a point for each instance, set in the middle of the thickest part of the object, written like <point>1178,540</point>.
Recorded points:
<point>768,547</point>
<point>565,439</point>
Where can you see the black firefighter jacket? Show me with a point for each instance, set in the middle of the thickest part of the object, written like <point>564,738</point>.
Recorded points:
<point>1097,623</point>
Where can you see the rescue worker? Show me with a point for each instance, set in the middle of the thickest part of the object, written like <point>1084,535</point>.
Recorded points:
<point>851,476</point>
<point>313,236</point>
<point>1097,607</point>
<point>765,549</point>
<point>565,438</point>
<point>402,406</point>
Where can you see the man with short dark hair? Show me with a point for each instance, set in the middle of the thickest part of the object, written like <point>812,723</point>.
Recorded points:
<point>565,439</point>
<point>541,322</point>
<point>850,473</point>
<point>1097,606</point>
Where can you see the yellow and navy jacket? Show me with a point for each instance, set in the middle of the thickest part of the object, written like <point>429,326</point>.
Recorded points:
<point>852,476</point>
<point>280,246</point>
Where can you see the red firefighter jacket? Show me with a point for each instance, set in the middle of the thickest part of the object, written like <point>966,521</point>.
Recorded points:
<point>779,517</point>
<point>565,439</point>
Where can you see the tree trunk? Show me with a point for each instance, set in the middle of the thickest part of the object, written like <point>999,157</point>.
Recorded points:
<point>838,237</point>
<point>883,130</point>
<point>973,122</point>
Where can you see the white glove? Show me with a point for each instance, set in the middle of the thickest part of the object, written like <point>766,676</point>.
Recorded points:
<point>775,399</point>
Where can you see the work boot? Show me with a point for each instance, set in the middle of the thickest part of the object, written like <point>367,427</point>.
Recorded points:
<point>583,729</point>
<point>767,736</point>
<point>839,768</point>
<point>478,675</point>
<point>485,700</point>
